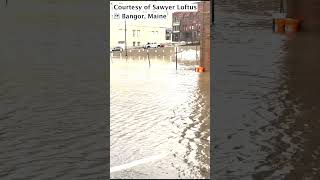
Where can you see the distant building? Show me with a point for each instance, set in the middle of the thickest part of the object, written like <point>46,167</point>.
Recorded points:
<point>138,33</point>
<point>186,26</point>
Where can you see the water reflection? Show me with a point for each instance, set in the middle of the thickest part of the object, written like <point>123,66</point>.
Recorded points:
<point>159,110</point>
<point>268,83</point>
<point>296,148</point>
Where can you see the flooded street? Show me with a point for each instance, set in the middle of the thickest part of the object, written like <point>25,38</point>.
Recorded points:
<point>265,96</point>
<point>159,119</point>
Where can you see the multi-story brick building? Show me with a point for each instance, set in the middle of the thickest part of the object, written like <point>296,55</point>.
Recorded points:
<point>186,26</point>
<point>195,27</point>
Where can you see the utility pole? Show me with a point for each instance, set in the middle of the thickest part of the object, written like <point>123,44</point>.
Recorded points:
<point>125,36</point>
<point>176,58</point>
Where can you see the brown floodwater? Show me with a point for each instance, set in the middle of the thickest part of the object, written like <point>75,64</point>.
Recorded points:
<point>160,118</point>
<point>265,97</point>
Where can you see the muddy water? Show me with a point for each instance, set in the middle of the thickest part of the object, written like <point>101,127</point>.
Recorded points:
<point>161,114</point>
<point>266,101</point>
<point>52,113</point>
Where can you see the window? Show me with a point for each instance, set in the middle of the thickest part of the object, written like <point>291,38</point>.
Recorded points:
<point>175,28</point>
<point>134,43</point>
<point>175,19</point>
<point>138,33</point>
<point>168,36</point>
<point>138,43</point>
<point>133,33</point>
<point>157,33</point>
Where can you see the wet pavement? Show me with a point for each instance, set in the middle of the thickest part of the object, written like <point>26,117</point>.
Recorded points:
<point>265,97</point>
<point>159,119</point>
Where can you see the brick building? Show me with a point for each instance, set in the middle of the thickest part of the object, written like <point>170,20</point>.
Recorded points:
<point>195,27</point>
<point>205,41</point>
<point>186,26</point>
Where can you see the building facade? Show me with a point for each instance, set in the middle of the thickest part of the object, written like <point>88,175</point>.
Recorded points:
<point>205,42</point>
<point>186,26</point>
<point>137,34</point>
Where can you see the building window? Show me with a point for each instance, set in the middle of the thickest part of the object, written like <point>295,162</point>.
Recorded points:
<point>138,43</point>
<point>134,43</point>
<point>168,33</point>
<point>138,33</point>
<point>133,33</point>
<point>176,28</point>
<point>175,19</point>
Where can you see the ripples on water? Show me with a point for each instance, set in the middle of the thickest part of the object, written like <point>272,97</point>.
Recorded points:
<point>267,82</point>
<point>52,91</point>
<point>159,110</point>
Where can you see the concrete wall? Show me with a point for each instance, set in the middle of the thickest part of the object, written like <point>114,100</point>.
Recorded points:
<point>306,10</point>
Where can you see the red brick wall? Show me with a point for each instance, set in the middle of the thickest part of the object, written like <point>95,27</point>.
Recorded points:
<point>205,55</point>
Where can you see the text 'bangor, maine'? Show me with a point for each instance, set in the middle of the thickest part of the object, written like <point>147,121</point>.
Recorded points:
<point>143,16</point>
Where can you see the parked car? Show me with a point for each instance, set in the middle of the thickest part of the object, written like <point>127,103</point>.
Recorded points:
<point>117,48</point>
<point>182,43</point>
<point>151,45</point>
<point>120,46</point>
<point>162,45</point>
